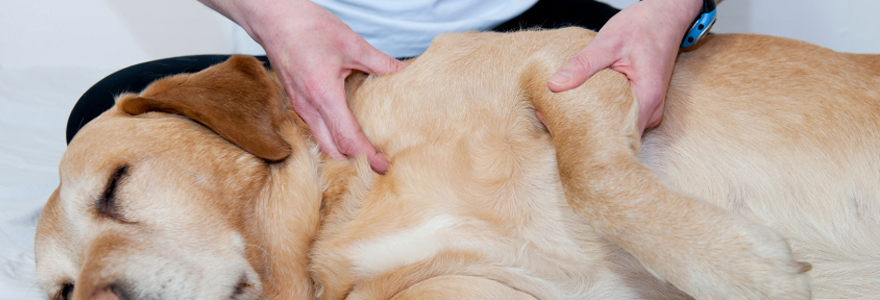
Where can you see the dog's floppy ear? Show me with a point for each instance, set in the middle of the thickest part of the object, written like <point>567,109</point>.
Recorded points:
<point>237,99</point>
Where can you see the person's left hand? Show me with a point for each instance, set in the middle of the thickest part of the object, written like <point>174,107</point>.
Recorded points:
<point>641,41</point>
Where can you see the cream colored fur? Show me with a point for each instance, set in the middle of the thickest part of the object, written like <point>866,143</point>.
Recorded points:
<point>768,158</point>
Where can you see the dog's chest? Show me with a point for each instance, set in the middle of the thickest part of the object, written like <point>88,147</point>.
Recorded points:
<point>460,210</point>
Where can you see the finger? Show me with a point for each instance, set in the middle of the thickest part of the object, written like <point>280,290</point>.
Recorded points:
<point>541,117</point>
<point>317,127</point>
<point>346,133</point>
<point>650,94</point>
<point>375,62</point>
<point>580,68</point>
<point>351,141</point>
<point>655,118</point>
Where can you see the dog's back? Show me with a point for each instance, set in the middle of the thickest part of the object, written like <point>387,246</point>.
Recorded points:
<point>784,133</point>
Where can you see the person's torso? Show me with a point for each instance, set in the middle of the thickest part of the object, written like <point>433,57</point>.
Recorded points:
<point>405,28</point>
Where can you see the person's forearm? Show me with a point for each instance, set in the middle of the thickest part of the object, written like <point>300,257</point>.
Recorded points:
<point>255,15</point>
<point>681,12</point>
<point>692,7</point>
<point>231,9</point>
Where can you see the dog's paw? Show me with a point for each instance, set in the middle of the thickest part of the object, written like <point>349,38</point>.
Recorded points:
<point>745,261</point>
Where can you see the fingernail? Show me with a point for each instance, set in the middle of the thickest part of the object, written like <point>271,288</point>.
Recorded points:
<point>560,78</point>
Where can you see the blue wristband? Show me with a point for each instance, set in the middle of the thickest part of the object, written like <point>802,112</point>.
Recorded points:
<point>701,24</point>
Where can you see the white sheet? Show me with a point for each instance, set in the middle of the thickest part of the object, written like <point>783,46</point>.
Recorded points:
<point>34,105</point>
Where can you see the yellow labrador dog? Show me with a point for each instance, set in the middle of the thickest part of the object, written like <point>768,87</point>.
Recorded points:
<point>207,186</point>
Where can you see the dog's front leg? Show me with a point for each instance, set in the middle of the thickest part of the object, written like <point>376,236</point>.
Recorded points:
<point>702,249</point>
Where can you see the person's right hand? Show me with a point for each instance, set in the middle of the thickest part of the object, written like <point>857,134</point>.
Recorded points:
<point>312,52</point>
<point>642,42</point>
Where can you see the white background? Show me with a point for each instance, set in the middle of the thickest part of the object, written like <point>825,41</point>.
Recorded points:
<point>118,33</point>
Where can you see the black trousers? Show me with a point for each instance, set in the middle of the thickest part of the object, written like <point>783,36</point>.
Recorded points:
<point>100,97</point>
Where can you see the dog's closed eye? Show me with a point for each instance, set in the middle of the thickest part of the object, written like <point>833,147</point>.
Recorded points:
<point>106,206</point>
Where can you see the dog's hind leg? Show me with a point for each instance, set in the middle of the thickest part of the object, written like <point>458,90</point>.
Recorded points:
<point>701,249</point>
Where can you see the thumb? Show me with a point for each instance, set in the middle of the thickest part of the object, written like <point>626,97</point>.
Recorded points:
<point>580,68</point>
<point>378,63</point>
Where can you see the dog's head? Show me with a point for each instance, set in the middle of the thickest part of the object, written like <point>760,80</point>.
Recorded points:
<point>157,195</point>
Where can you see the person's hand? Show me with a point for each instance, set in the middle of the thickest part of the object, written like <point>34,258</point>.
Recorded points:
<point>312,52</point>
<point>641,41</point>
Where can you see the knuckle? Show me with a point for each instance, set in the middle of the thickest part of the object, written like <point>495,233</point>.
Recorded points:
<point>346,146</point>
<point>582,61</point>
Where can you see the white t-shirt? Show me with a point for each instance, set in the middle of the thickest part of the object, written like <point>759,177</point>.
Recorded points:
<point>405,28</point>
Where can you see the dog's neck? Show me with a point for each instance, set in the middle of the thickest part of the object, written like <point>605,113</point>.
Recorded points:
<point>344,181</point>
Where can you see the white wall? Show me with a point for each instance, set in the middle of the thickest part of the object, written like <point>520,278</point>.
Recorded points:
<point>116,33</point>
<point>844,25</point>
<point>107,33</point>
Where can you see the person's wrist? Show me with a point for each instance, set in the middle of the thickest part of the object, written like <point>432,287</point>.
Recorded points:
<point>679,14</point>
<point>701,24</point>
<point>691,9</point>
<point>259,17</point>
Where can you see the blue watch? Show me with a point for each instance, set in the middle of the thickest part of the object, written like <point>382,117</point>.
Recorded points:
<point>701,24</point>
